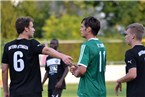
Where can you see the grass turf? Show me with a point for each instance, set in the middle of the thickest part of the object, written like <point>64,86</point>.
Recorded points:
<point>71,90</point>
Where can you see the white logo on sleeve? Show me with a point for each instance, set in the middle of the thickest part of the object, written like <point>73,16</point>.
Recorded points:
<point>39,45</point>
<point>129,62</point>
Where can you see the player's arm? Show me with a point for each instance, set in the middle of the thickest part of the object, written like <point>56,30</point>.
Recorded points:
<point>59,84</point>
<point>45,78</point>
<point>64,74</point>
<point>49,51</point>
<point>5,79</point>
<point>132,73</point>
<point>78,70</point>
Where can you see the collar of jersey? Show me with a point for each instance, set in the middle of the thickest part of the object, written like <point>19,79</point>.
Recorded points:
<point>93,39</point>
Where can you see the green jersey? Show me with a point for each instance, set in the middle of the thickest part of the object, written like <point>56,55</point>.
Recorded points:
<point>93,57</point>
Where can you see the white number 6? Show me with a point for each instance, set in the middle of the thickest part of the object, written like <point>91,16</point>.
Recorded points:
<point>19,67</point>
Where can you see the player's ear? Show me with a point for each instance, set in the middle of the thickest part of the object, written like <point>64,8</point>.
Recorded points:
<point>26,29</point>
<point>89,29</point>
<point>133,36</point>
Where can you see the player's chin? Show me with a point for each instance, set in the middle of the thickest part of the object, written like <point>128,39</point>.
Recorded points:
<point>82,35</point>
<point>31,36</point>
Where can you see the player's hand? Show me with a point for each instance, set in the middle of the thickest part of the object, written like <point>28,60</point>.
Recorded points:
<point>118,86</point>
<point>67,59</point>
<point>6,95</point>
<point>73,68</point>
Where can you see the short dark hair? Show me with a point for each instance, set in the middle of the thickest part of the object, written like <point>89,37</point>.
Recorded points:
<point>21,23</point>
<point>93,23</point>
<point>138,29</point>
<point>55,40</point>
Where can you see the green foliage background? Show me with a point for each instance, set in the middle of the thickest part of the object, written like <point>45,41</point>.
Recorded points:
<point>62,19</point>
<point>65,27</point>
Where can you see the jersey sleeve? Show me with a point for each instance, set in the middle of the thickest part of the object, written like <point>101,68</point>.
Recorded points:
<point>37,47</point>
<point>130,60</point>
<point>5,55</point>
<point>84,56</point>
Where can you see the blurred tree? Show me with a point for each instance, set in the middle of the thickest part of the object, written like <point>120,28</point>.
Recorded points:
<point>11,11</point>
<point>124,12</point>
<point>58,8</point>
<point>112,14</point>
<point>8,17</point>
<point>38,11</point>
<point>63,12</point>
<point>65,27</point>
<point>120,13</point>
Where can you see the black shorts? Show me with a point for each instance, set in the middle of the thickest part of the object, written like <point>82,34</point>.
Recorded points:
<point>26,95</point>
<point>55,93</point>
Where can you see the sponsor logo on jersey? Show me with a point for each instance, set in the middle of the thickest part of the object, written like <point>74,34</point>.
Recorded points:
<point>39,45</point>
<point>129,62</point>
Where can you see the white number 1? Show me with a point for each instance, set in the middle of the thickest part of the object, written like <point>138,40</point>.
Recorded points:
<point>101,59</point>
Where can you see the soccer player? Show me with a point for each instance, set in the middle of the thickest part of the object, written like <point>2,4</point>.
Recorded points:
<point>92,61</point>
<point>56,71</point>
<point>20,56</point>
<point>135,62</point>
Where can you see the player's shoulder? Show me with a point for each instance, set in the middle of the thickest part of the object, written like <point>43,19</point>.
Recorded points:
<point>10,42</point>
<point>33,40</point>
<point>135,49</point>
<point>86,44</point>
<point>93,41</point>
<point>130,52</point>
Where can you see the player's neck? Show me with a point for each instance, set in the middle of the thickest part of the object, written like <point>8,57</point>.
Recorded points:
<point>21,36</point>
<point>136,43</point>
<point>89,37</point>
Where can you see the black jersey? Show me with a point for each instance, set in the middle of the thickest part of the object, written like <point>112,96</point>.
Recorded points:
<point>21,55</point>
<point>135,57</point>
<point>55,69</point>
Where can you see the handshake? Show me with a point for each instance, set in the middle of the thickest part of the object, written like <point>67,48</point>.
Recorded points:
<point>74,69</point>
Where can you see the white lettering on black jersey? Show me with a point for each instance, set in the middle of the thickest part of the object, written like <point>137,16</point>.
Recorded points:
<point>18,46</point>
<point>22,57</point>
<point>141,52</point>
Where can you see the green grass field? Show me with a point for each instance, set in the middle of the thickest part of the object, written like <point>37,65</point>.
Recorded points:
<point>71,90</point>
